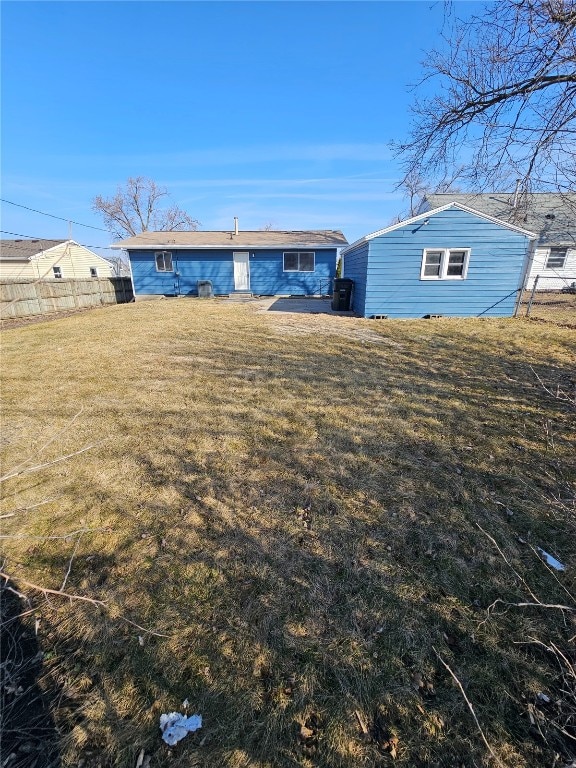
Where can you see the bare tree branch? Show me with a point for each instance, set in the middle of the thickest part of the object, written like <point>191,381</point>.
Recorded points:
<point>505,104</point>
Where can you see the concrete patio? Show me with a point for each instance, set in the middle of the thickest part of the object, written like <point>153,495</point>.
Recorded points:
<point>307,305</point>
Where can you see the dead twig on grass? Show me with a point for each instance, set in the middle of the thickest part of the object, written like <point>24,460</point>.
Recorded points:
<point>551,572</point>
<point>508,563</point>
<point>560,394</point>
<point>55,436</point>
<point>64,537</point>
<point>60,593</point>
<point>27,509</point>
<point>538,604</point>
<point>471,708</point>
<point>38,467</point>
<point>76,545</point>
<point>560,714</point>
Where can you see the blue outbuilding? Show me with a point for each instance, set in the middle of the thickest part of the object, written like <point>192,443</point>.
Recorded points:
<point>452,261</point>
<point>249,262</point>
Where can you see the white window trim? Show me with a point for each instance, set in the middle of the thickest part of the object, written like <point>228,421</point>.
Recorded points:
<point>549,254</point>
<point>163,253</point>
<point>292,253</point>
<point>444,264</point>
<point>59,275</point>
<point>95,271</point>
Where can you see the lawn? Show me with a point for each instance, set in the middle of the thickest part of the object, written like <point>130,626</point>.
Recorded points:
<point>309,518</point>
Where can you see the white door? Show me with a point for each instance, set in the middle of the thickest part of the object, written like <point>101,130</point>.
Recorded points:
<point>241,270</point>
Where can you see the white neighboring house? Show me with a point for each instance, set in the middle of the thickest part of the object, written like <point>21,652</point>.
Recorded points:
<point>50,259</point>
<point>551,215</point>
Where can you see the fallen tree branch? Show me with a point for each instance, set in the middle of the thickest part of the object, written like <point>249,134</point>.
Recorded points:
<point>60,593</point>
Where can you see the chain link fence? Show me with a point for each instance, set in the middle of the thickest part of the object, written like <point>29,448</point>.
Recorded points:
<point>555,304</point>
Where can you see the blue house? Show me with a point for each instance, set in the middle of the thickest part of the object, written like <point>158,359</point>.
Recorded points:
<point>452,261</point>
<point>257,262</point>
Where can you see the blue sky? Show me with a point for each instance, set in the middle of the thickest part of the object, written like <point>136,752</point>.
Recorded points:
<point>276,112</point>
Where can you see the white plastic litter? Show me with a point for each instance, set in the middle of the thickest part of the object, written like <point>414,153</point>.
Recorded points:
<point>175,726</point>
<point>551,560</point>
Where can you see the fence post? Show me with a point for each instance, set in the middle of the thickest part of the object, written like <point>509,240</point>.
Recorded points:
<point>518,302</point>
<point>532,296</point>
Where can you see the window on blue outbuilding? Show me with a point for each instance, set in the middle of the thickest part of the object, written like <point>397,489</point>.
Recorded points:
<point>444,263</point>
<point>432,263</point>
<point>299,261</point>
<point>163,261</point>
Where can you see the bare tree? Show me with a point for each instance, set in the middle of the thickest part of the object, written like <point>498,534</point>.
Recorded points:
<point>505,105</point>
<point>137,207</point>
<point>415,189</point>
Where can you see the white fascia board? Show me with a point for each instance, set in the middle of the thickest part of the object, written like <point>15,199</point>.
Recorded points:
<point>173,247</point>
<point>428,214</point>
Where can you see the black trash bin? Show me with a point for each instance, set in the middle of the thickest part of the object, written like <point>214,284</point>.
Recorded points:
<point>342,295</point>
<point>205,290</point>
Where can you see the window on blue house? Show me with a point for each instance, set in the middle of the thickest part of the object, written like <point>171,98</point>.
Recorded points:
<point>299,261</point>
<point>556,258</point>
<point>163,261</point>
<point>445,263</point>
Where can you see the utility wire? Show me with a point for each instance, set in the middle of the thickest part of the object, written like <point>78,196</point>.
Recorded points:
<point>33,237</point>
<point>89,226</point>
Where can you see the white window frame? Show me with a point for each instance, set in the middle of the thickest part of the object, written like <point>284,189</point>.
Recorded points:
<point>444,259</point>
<point>549,256</point>
<point>163,254</point>
<point>297,253</point>
<point>57,272</point>
<point>93,271</point>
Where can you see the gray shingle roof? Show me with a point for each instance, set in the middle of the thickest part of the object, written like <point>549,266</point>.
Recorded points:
<point>551,216</point>
<point>23,250</point>
<point>317,238</point>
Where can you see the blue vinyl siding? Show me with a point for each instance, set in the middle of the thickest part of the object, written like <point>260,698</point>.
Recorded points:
<point>355,266</point>
<point>393,286</point>
<point>267,274</point>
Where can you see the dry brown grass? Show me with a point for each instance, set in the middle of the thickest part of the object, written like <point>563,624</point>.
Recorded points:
<point>294,500</point>
<point>551,306</point>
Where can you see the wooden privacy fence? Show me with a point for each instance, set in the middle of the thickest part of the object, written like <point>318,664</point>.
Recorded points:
<point>26,298</point>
